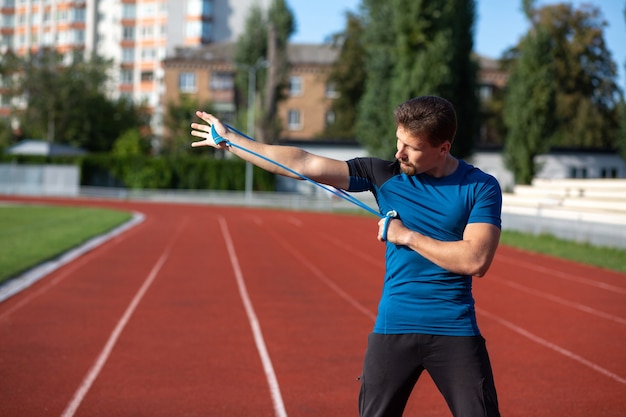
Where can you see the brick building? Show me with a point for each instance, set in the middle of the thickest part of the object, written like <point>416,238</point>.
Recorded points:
<point>208,75</point>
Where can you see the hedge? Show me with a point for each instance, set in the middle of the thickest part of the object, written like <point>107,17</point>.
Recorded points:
<point>161,172</point>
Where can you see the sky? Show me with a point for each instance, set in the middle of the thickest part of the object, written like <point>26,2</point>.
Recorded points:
<point>500,24</point>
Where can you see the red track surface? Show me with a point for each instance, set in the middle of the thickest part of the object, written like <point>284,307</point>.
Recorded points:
<point>157,322</point>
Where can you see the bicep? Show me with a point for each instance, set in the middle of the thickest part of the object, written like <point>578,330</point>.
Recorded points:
<point>483,239</point>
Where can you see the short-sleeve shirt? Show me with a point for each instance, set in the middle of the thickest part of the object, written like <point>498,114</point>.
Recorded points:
<point>418,295</point>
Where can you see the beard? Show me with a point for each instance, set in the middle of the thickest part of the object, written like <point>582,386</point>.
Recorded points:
<point>407,168</point>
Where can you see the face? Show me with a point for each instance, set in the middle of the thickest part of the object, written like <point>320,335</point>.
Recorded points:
<point>417,156</point>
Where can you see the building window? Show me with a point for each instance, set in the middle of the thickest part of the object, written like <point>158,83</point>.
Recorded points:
<point>187,82</point>
<point>78,15</point>
<point>331,90</point>
<point>147,10</point>
<point>193,29</point>
<point>6,41</point>
<point>294,121</point>
<point>148,54</point>
<point>577,172</point>
<point>128,33</point>
<point>62,16</point>
<point>207,31</point>
<point>329,118</point>
<point>128,55</point>
<point>295,86</point>
<point>147,76</point>
<point>126,77</point>
<point>608,173</point>
<point>485,92</point>
<point>62,37</point>
<point>200,7</point>
<point>147,32</point>
<point>128,11</point>
<point>78,36</point>
<point>222,81</point>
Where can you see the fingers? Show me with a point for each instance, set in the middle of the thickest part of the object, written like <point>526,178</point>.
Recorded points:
<point>200,143</point>
<point>381,226</point>
<point>394,230</point>
<point>207,117</point>
<point>211,121</point>
<point>202,130</point>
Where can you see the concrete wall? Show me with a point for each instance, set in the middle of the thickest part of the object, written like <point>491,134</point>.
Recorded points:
<point>45,180</point>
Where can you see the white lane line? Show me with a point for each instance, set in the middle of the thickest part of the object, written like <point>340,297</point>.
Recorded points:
<point>563,275</point>
<point>270,375</point>
<point>106,352</point>
<point>366,257</point>
<point>562,301</point>
<point>322,277</point>
<point>331,284</point>
<point>550,345</point>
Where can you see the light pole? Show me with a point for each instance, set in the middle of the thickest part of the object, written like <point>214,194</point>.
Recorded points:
<point>252,70</point>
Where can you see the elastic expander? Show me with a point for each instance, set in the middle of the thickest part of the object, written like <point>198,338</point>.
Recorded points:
<point>217,139</point>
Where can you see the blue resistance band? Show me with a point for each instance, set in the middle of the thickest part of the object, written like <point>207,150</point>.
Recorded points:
<point>339,193</point>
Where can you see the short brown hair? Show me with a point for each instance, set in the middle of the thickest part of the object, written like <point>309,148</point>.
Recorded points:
<point>431,117</point>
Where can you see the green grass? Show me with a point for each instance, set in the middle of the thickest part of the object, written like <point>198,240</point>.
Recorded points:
<point>609,258</point>
<point>31,234</point>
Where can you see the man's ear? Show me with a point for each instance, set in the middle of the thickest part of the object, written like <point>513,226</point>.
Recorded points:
<point>445,148</point>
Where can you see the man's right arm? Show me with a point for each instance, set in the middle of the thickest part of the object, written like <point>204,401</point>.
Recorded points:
<point>328,171</point>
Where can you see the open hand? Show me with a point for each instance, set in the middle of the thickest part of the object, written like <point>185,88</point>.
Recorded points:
<point>202,130</point>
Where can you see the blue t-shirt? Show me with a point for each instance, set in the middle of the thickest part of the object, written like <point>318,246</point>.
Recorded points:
<point>419,296</point>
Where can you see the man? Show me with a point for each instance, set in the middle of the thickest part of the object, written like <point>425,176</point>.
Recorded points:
<point>446,230</point>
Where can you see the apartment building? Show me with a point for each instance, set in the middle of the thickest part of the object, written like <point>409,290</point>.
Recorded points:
<point>137,35</point>
<point>207,74</point>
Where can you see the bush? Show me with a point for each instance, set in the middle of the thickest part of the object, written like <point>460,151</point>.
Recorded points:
<point>148,172</point>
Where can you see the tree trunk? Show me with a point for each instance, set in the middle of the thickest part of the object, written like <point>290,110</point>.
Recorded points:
<point>267,130</point>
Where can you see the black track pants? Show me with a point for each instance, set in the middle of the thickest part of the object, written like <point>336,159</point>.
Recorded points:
<point>458,365</point>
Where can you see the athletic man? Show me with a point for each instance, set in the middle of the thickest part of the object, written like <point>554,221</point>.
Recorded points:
<point>446,230</point>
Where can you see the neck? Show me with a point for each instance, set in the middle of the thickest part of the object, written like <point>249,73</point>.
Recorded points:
<point>450,165</point>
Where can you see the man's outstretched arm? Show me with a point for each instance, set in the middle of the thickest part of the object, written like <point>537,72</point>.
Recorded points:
<point>324,170</point>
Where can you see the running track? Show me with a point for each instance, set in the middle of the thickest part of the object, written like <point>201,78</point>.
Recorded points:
<point>216,311</point>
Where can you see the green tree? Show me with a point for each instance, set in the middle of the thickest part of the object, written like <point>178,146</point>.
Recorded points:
<point>130,143</point>
<point>177,121</point>
<point>348,76</point>
<point>622,131</point>
<point>587,110</point>
<point>419,48</point>
<point>10,67</point>
<point>68,103</point>
<point>434,45</point>
<point>374,129</point>
<point>493,129</point>
<point>6,135</point>
<point>529,106</point>
<point>281,25</point>
<point>264,41</point>
<point>251,49</point>
<point>39,87</point>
